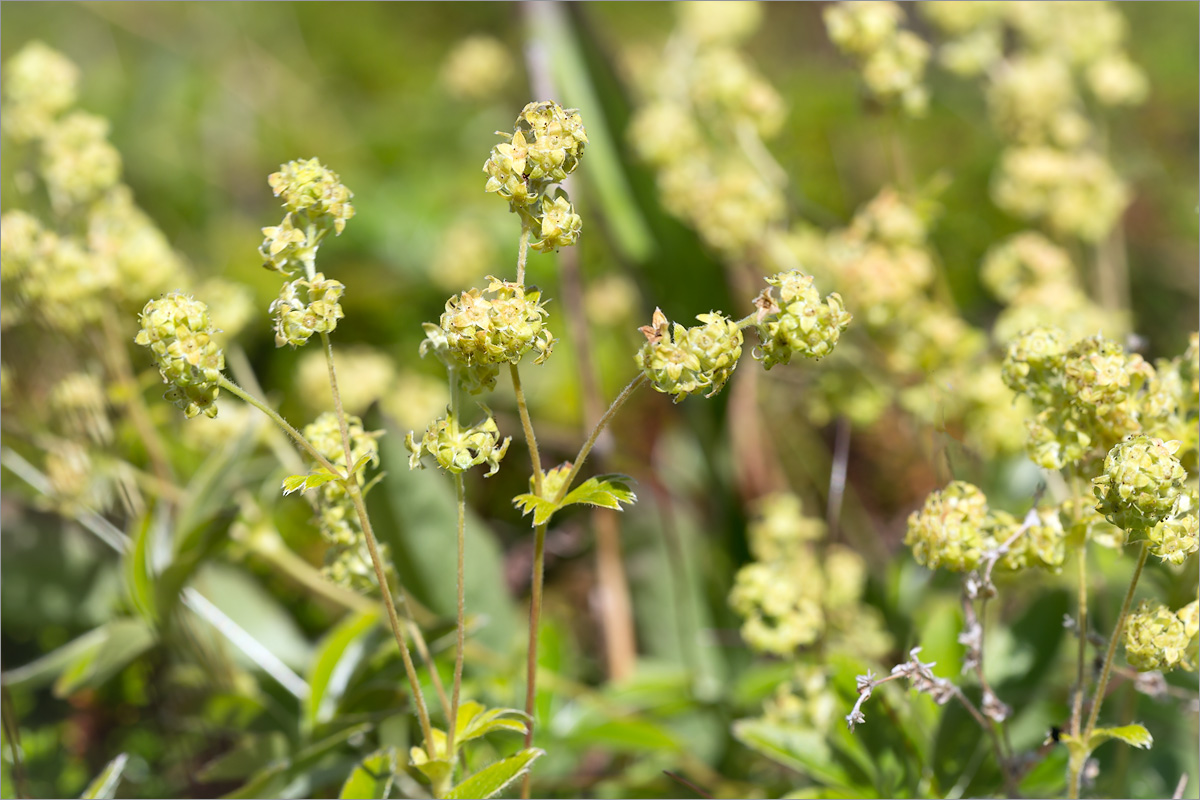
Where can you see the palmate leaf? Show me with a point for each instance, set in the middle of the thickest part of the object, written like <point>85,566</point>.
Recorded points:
<point>606,491</point>
<point>475,720</point>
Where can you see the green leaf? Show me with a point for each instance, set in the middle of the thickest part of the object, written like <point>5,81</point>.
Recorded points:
<point>303,760</point>
<point>372,778</point>
<point>337,654</point>
<point>542,509</point>
<point>43,670</point>
<point>246,756</point>
<point>139,582</point>
<point>607,491</point>
<point>105,784</point>
<point>474,720</point>
<point>123,640</point>
<point>492,779</point>
<point>626,734</point>
<point>803,750</point>
<point>1134,735</point>
<point>193,549</point>
<point>312,480</point>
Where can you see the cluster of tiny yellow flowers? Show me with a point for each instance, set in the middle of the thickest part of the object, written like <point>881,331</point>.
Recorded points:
<point>1157,638</point>
<point>305,307</point>
<point>1086,395</point>
<point>957,530</point>
<point>179,333</point>
<point>347,561</point>
<point>800,589</point>
<point>482,329</point>
<point>1145,489</point>
<point>799,321</point>
<point>545,148</point>
<point>705,111</point>
<point>1053,170</point>
<point>694,360</point>
<point>457,448</point>
<point>892,59</point>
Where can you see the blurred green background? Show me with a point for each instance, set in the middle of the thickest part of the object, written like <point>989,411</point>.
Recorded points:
<point>207,99</point>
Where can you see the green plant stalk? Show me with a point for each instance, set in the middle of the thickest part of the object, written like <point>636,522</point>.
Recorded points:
<point>590,442</point>
<point>539,563</point>
<point>527,426</point>
<point>298,437</point>
<point>1081,628</point>
<point>460,620</point>
<point>535,620</point>
<point>1079,757</point>
<point>355,493</point>
<point>522,252</point>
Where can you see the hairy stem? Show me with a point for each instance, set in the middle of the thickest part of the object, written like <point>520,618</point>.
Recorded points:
<point>535,619</point>
<point>298,437</point>
<point>595,434</point>
<point>522,252</point>
<point>1081,658</point>
<point>1113,640</point>
<point>461,619</point>
<point>535,457</point>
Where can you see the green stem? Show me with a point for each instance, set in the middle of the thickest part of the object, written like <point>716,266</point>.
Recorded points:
<point>461,620</point>
<point>355,493</point>
<point>535,618</point>
<point>527,426</point>
<point>298,437</point>
<point>595,434</point>
<point>522,252</point>
<point>1113,640</point>
<point>1081,627</point>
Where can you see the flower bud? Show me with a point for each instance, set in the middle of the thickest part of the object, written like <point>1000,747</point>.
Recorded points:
<point>456,448</point>
<point>178,331</point>
<point>948,531</point>
<point>308,187</point>
<point>559,225</point>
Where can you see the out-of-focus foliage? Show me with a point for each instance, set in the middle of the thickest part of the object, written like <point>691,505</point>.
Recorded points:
<point>958,174</point>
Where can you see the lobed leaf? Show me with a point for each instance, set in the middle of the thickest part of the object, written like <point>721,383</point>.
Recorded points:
<point>303,483</point>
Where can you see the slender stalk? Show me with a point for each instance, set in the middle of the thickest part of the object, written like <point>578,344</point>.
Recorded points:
<point>461,620</point>
<point>1106,671</point>
<point>355,493</point>
<point>1081,628</point>
<point>535,618</point>
<point>298,437</point>
<point>596,431</point>
<point>527,425</point>
<point>522,252</point>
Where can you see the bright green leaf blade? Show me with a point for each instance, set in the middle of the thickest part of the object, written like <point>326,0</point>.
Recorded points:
<point>468,713</point>
<point>491,780</point>
<point>303,483</point>
<point>45,669</point>
<point>123,641</point>
<point>139,582</point>
<point>105,784</point>
<point>372,778</point>
<point>542,509</point>
<point>607,491</point>
<point>1134,735</point>
<point>337,654</point>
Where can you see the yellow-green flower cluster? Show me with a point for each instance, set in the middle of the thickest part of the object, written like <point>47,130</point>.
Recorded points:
<point>545,147</point>
<point>685,361</point>
<point>477,68</point>
<point>1157,638</point>
<point>1142,485</point>
<point>892,59</point>
<point>798,591</point>
<point>179,333</point>
<point>956,530</point>
<point>1053,170</point>
<point>305,307</point>
<point>458,448</point>
<point>705,111</point>
<point>799,322</point>
<point>481,329</point>
<point>317,202</point>
<point>347,561</point>
<point>1086,395</point>
<point>39,84</point>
